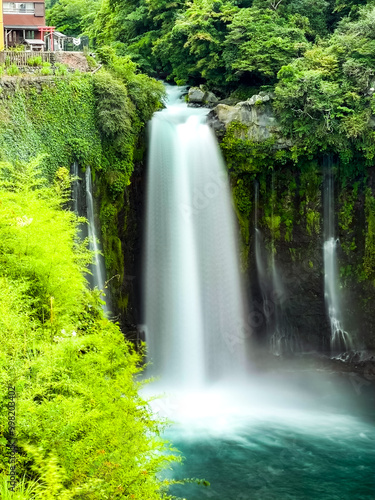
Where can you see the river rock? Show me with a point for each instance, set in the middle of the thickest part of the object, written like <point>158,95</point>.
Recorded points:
<point>256,114</point>
<point>196,95</point>
<point>199,97</point>
<point>210,99</point>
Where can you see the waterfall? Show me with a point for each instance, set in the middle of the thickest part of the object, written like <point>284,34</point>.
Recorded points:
<point>340,338</point>
<point>193,300</point>
<point>98,268</point>
<point>260,263</point>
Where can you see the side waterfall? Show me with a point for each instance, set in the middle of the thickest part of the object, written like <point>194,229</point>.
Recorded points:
<point>83,205</point>
<point>259,248</point>
<point>340,339</point>
<point>193,301</point>
<point>98,268</point>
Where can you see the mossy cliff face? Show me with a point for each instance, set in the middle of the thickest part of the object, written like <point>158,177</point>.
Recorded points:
<point>96,120</point>
<point>290,219</point>
<point>122,232</point>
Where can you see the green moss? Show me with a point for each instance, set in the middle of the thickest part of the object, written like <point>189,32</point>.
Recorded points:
<point>241,154</point>
<point>123,302</point>
<point>347,199</point>
<point>312,222</point>
<point>273,223</point>
<point>58,121</point>
<point>369,257</point>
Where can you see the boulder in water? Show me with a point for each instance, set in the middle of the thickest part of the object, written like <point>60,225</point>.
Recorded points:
<point>199,97</point>
<point>196,95</point>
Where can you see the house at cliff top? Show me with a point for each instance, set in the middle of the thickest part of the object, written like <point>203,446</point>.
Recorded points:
<point>24,23</point>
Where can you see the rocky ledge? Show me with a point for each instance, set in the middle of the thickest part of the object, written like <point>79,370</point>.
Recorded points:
<point>257,116</point>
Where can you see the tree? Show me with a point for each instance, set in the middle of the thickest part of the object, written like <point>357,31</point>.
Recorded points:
<point>193,48</point>
<point>72,17</point>
<point>259,42</point>
<point>324,99</point>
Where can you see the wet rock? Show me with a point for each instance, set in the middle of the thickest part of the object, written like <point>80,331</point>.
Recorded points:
<point>196,96</point>
<point>210,99</point>
<point>199,97</point>
<point>257,116</point>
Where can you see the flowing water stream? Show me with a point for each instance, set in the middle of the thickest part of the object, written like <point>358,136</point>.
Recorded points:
<point>83,205</point>
<point>194,308</point>
<point>254,434</point>
<point>340,338</point>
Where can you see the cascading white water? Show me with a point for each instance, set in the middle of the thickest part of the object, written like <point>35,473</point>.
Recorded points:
<point>340,338</point>
<point>194,313</point>
<point>98,268</point>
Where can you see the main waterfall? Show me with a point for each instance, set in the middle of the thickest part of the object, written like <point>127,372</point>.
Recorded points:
<point>193,301</point>
<point>252,435</point>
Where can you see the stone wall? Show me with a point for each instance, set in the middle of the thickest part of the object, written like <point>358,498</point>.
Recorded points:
<point>11,84</point>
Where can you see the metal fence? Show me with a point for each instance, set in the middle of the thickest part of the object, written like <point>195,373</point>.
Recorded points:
<point>72,44</point>
<point>67,43</point>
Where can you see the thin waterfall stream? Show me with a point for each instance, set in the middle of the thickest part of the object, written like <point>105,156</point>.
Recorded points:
<point>340,339</point>
<point>83,205</point>
<point>253,433</point>
<point>281,337</point>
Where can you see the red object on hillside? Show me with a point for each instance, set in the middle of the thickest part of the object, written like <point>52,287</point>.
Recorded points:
<point>47,29</point>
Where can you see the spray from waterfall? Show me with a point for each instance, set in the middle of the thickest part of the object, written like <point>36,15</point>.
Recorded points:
<point>340,339</point>
<point>194,314</point>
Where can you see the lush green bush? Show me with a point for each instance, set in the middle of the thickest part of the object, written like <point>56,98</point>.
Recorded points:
<point>35,61</point>
<point>13,70</point>
<point>83,431</point>
<point>59,121</point>
<point>259,42</point>
<point>61,69</point>
<point>46,69</point>
<point>31,215</point>
<point>324,99</point>
<point>91,61</point>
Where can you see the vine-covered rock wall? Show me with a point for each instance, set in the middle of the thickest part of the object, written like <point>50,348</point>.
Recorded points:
<point>291,221</point>
<point>95,120</point>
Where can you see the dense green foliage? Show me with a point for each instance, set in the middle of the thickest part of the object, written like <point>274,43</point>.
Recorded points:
<point>72,17</point>
<point>95,120</point>
<point>31,125</point>
<point>83,431</point>
<point>221,42</point>
<point>329,91</point>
